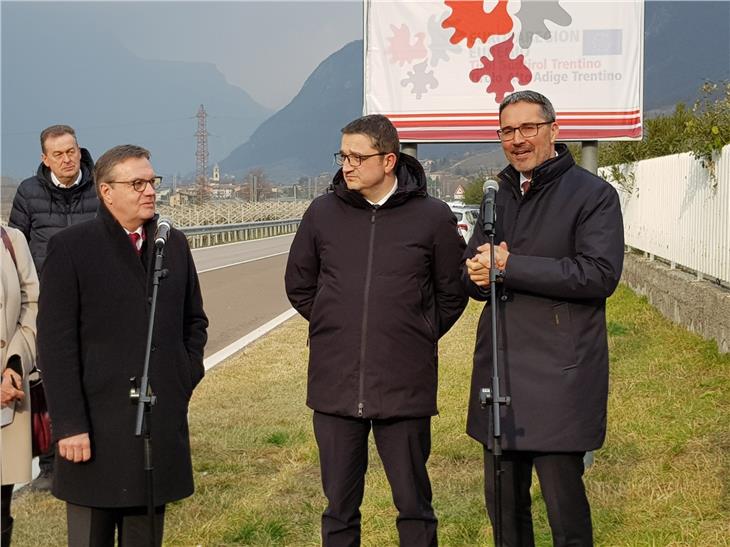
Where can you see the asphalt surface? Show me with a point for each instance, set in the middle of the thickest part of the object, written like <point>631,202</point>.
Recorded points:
<point>243,287</point>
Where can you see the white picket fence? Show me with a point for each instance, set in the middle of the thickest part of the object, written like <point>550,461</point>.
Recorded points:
<point>677,213</point>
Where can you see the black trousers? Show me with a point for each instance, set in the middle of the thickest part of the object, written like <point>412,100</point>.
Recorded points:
<point>561,484</point>
<point>404,446</point>
<point>7,498</point>
<point>95,527</point>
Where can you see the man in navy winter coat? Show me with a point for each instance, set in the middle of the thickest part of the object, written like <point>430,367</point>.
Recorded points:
<point>560,253</point>
<point>374,267</point>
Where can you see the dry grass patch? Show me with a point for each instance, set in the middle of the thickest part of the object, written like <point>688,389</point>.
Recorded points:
<point>663,478</point>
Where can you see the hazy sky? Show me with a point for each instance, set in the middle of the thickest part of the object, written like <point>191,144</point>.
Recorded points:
<point>268,48</point>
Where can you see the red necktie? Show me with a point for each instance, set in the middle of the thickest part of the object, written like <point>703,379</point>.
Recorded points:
<point>526,186</point>
<point>134,237</point>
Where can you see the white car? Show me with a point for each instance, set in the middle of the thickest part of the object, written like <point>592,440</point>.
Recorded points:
<point>466,218</point>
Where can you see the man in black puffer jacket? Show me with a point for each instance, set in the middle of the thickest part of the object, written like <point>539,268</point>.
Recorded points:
<point>61,194</point>
<point>375,269</point>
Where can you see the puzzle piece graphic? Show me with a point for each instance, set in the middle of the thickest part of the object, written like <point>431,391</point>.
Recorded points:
<point>401,49</point>
<point>471,22</point>
<point>533,14</point>
<point>502,69</point>
<point>420,80</point>
<point>440,45</point>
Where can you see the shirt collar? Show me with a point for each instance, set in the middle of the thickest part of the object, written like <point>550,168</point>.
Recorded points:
<point>58,183</point>
<point>382,200</point>
<point>523,178</point>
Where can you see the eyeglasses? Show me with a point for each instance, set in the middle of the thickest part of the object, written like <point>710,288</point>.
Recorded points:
<point>527,130</point>
<point>140,184</point>
<point>355,159</point>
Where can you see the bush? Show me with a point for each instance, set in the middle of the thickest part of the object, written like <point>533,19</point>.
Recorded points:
<point>701,130</point>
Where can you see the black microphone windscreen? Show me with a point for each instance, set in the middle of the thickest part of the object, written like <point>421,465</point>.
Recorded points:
<point>164,226</point>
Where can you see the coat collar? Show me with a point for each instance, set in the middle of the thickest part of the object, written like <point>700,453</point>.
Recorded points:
<point>544,174</point>
<point>87,175</point>
<point>136,266</point>
<point>411,183</point>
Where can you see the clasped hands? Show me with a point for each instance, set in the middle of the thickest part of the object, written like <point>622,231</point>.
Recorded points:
<point>478,267</point>
<point>11,387</point>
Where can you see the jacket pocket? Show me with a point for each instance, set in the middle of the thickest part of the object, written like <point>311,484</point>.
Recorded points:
<point>317,300</point>
<point>426,317</point>
<point>563,329</point>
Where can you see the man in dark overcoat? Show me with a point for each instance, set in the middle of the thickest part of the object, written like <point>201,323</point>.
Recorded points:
<point>560,254</point>
<point>93,316</point>
<point>374,267</point>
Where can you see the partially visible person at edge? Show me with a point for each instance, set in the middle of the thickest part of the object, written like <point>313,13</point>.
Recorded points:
<point>19,300</point>
<point>59,195</point>
<point>93,312</point>
<point>374,267</point>
<point>560,253</point>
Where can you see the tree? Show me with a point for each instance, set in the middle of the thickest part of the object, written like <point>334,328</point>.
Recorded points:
<point>474,190</point>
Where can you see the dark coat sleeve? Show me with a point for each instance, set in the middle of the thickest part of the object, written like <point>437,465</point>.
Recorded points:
<point>195,322</point>
<point>595,269</point>
<point>58,343</point>
<point>449,292</point>
<point>477,238</point>
<point>19,215</point>
<point>302,267</point>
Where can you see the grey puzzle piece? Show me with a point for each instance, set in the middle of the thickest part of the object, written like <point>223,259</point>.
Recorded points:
<point>440,45</point>
<point>534,13</point>
<point>420,80</point>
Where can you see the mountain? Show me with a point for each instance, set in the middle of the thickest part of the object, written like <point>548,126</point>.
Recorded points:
<point>60,68</point>
<point>686,43</point>
<point>302,137</point>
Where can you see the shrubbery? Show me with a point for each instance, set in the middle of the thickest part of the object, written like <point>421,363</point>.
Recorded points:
<point>701,130</point>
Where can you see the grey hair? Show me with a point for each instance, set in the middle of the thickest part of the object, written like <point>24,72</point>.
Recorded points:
<point>56,131</point>
<point>533,97</point>
<point>113,157</point>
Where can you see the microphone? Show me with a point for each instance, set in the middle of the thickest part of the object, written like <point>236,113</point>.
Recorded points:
<point>489,211</point>
<point>164,226</point>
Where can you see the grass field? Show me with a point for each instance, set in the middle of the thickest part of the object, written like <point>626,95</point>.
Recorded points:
<point>663,477</point>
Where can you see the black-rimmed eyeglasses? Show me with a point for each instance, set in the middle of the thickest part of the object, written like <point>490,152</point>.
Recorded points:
<point>527,130</point>
<point>139,185</point>
<point>355,160</point>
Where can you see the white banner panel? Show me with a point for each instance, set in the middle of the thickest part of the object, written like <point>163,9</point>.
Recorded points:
<point>439,69</point>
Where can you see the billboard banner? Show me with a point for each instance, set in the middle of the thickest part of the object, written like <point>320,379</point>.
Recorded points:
<point>439,69</point>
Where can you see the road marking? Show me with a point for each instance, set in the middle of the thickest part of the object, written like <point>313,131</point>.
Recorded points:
<point>241,343</point>
<point>243,262</point>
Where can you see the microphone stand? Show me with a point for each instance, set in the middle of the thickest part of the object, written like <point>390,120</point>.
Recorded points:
<point>491,396</point>
<point>144,398</point>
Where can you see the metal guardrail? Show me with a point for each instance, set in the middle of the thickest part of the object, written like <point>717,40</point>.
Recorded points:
<point>217,234</point>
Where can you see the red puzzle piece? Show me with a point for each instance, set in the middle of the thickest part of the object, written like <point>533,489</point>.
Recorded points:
<point>502,70</point>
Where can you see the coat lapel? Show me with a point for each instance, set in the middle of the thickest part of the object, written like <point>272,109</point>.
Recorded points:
<point>133,265</point>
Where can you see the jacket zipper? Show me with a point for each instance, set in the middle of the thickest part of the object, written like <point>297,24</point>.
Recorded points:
<point>366,300</point>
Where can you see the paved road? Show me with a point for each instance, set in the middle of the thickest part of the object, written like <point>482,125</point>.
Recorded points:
<point>245,295</point>
<point>221,256</point>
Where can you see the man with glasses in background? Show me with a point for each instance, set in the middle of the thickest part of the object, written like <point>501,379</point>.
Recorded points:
<point>95,306</point>
<point>560,255</point>
<point>374,268</point>
<point>59,195</point>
